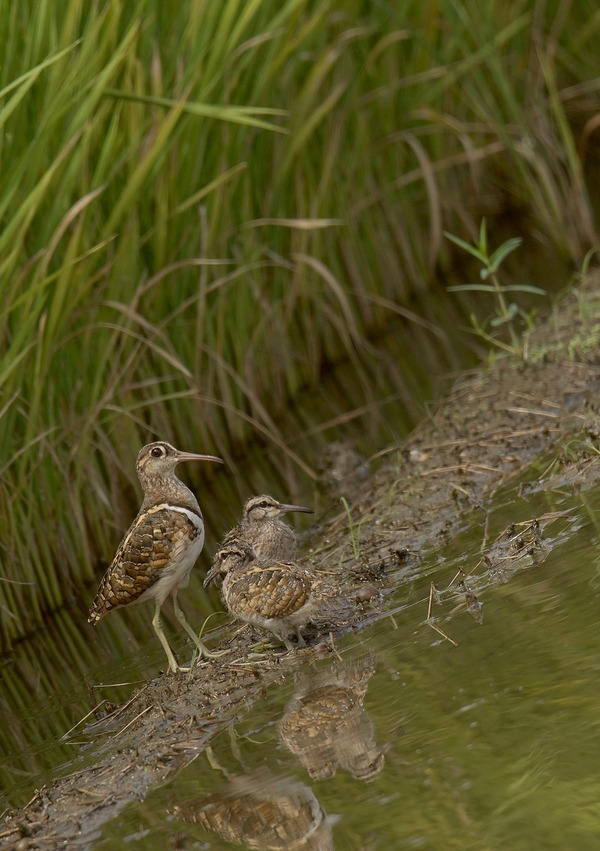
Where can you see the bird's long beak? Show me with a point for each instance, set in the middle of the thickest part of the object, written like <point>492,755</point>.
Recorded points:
<point>283,507</point>
<point>192,456</point>
<point>212,574</point>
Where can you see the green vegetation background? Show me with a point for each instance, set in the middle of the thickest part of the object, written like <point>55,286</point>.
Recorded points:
<point>204,204</point>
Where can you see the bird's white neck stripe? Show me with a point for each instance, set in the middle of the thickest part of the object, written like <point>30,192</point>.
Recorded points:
<point>193,515</point>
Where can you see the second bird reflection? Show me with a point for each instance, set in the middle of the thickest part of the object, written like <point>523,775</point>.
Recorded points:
<point>325,724</point>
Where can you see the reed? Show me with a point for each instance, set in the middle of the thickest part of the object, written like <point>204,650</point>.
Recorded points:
<point>204,204</point>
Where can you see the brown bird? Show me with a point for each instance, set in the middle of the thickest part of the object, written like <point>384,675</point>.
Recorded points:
<point>263,529</point>
<point>162,544</point>
<point>277,595</point>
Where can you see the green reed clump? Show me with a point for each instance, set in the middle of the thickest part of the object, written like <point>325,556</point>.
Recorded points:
<point>202,205</point>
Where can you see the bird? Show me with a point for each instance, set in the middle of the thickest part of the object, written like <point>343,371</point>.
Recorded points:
<point>263,529</point>
<point>271,593</point>
<point>155,557</point>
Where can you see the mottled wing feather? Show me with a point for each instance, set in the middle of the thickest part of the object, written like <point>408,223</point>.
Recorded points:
<point>154,541</point>
<point>235,534</point>
<point>271,592</point>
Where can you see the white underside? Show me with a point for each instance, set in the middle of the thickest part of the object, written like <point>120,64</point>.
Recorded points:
<point>177,574</point>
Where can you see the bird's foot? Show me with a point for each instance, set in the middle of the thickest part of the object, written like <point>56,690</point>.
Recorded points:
<point>202,652</point>
<point>214,654</point>
<point>262,646</point>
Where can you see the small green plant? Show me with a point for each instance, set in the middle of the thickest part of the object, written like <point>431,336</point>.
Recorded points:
<point>507,312</point>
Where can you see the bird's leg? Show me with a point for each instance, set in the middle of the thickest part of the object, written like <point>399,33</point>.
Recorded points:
<point>300,642</point>
<point>202,649</point>
<point>260,647</point>
<point>173,666</point>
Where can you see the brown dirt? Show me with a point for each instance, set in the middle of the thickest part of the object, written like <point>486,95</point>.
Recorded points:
<point>492,427</point>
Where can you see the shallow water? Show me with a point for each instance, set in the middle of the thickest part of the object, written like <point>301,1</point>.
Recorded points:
<point>408,741</point>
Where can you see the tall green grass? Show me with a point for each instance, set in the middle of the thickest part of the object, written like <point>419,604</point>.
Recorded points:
<point>204,204</point>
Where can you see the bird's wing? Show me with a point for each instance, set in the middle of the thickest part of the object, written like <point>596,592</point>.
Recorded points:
<point>155,541</point>
<point>271,592</point>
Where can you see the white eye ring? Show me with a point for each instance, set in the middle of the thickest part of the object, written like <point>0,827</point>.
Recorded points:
<point>157,452</point>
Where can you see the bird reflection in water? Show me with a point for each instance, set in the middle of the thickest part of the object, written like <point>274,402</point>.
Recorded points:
<point>326,726</point>
<point>260,810</point>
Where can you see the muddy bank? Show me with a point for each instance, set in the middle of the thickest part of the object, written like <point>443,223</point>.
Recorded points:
<point>488,431</point>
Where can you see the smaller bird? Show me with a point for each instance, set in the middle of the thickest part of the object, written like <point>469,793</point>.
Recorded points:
<point>160,548</point>
<point>277,595</point>
<point>263,529</point>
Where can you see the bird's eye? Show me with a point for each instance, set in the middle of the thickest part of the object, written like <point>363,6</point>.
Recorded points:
<point>157,452</point>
